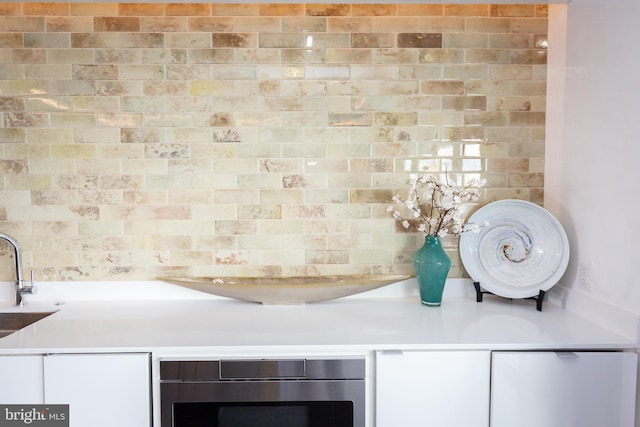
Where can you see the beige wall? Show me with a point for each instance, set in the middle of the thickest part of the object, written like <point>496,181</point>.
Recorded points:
<point>144,140</point>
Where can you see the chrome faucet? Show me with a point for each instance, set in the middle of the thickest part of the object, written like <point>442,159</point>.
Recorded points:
<point>21,288</point>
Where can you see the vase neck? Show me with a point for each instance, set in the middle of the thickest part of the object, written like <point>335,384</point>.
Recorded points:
<point>432,240</point>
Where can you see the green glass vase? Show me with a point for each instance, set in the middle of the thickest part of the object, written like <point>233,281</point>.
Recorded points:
<point>432,266</point>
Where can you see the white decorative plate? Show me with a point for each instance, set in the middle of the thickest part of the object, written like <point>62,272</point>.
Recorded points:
<point>521,251</point>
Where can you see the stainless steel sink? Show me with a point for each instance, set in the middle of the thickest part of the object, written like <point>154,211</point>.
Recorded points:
<point>14,321</point>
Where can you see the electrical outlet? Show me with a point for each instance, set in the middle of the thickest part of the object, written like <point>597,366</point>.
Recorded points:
<point>585,276</point>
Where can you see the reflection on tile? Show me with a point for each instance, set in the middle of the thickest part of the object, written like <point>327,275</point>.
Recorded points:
<point>225,138</point>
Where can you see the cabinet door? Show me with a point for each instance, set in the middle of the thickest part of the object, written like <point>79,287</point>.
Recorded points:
<point>101,389</point>
<point>21,380</point>
<point>432,388</point>
<point>548,389</point>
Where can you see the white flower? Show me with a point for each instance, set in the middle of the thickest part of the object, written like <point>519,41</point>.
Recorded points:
<point>439,211</point>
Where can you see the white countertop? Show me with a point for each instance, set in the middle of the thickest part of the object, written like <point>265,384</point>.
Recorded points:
<point>364,322</point>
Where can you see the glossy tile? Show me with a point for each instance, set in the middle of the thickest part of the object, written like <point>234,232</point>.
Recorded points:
<point>184,138</point>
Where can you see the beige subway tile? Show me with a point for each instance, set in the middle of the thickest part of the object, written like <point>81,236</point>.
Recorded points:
<point>349,56</point>
<point>350,24</point>
<point>254,24</point>
<point>529,25</point>
<point>45,8</point>
<point>235,227</point>
<point>116,24</point>
<point>372,40</point>
<point>465,40</point>
<point>178,9</point>
<point>96,104</point>
<point>95,72</point>
<point>23,119</point>
<point>395,119</point>
<point>530,56</point>
<point>118,88</point>
<point>76,151</point>
<point>119,120</point>
<point>477,71</point>
<point>210,24</point>
<point>188,41</point>
<point>396,56</point>
<point>22,24</point>
<point>71,87</point>
<point>143,104</point>
<point>373,10</point>
<point>442,24</point>
<point>93,9</point>
<point>466,10</point>
<point>12,72</point>
<point>140,72</point>
<point>70,56</point>
<point>163,56</point>
<point>396,24</point>
<point>487,56</point>
<point>420,10</point>
<point>140,40</point>
<point>489,87</point>
<point>117,56</point>
<point>10,9</point>
<point>94,40</point>
<point>488,25</point>
<point>29,56</point>
<point>327,257</point>
<point>529,88</point>
<point>162,150</point>
<point>11,40</point>
<point>47,40</point>
<point>303,24</point>
<point>279,40</point>
<point>73,120</point>
<point>13,135</point>
<point>327,9</point>
<point>485,118</point>
<point>46,136</point>
<point>211,56</point>
<point>526,118</point>
<point>28,182</point>
<point>140,9</point>
<point>51,71</point>
<point>281,9</point>
<point>511,41</point>
<point>463,134</point>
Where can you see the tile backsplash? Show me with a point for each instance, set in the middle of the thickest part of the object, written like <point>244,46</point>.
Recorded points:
<point>148,140</point>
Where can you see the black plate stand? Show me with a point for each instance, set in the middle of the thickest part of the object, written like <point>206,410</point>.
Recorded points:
<point>480,293</point>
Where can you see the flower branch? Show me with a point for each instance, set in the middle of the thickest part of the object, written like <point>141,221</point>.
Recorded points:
<point>437,207</point>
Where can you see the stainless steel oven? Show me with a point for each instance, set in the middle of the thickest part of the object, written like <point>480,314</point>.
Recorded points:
<point>263,393</point>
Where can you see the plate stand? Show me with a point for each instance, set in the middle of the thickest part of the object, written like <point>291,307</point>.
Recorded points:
<point>480,293</point>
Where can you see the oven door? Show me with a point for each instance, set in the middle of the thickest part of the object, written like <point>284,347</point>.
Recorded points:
<point>264,404</point>
<point>263,393</point>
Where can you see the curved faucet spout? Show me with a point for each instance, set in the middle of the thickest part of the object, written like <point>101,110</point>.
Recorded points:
<point>17,255</point>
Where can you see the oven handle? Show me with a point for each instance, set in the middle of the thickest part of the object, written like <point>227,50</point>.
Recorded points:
<point>262,369</point>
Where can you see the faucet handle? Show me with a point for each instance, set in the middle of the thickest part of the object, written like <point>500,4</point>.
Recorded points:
<point>31,289</point>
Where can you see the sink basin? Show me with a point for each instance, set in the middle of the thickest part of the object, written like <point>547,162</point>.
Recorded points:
<point>285,290</point>
<point>14,321</point>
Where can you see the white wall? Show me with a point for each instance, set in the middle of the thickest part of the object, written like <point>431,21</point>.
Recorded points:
<point>593,146</point>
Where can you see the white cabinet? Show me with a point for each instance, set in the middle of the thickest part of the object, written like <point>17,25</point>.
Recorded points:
<point>21,380</point>
<point>548,389</point>
<point>432,388</point>
<point>100,389</point>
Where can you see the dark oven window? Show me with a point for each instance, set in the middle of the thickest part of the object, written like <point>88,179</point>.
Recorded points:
<point>263,414</point>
